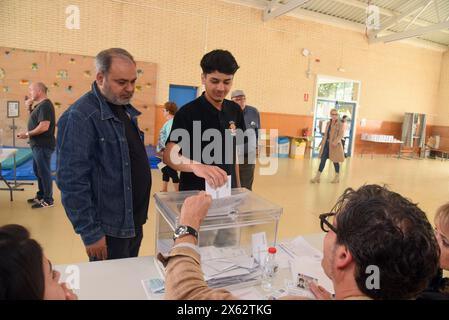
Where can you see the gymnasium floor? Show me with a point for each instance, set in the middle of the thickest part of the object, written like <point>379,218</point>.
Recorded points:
<point>424,181</point>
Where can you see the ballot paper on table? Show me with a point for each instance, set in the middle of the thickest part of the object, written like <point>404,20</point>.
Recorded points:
<point>227,266</point>
<point>282,258</point>
<point>299,247</point>
<point>248,294</point>
<point>153,286</point>
<point>214,253</point>
<point>294,249</point>
<point>221,192</point>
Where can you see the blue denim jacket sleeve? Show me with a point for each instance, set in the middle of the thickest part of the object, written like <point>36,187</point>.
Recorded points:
<point>75,151</point>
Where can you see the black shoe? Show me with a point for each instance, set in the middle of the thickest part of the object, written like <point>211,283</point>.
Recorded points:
<point>42,204</point>
<point>34,200</point>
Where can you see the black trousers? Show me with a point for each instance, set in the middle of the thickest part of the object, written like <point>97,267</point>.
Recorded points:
<point>247,175</point>
<point>120,248</point>
<point>168,173</point>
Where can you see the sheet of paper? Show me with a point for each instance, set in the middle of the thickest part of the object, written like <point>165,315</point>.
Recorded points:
<point>211,252</point>
<point>244,262</point>
<point>153,287</point>
<point>214,267</point>
<point>248,294</point>
<point>221,192</point>
<point>299,247</point>
<point>232,273</point>
<point>283,258</point>
<point>278,294</point>
<point>259,245</point>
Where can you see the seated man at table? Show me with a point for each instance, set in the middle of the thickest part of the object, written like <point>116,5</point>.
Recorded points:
<point>371,228</point>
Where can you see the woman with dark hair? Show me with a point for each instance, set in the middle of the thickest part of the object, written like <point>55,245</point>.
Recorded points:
<point>170,109</point>
<point>25,273</point>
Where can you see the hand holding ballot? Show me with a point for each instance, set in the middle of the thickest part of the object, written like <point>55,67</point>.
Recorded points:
<point>214,176</point>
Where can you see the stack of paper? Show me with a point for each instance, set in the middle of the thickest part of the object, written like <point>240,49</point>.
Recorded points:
<point>227,266</point>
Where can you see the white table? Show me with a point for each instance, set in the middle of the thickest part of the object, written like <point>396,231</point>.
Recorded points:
<point>5,154</point>
<point>122,279</point>
<point>390,143</point>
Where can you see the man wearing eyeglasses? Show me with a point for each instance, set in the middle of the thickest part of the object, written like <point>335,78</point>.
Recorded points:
<point>378,245</point>
<point>371,228</point>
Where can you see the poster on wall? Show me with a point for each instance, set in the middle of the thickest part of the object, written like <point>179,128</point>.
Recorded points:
<point>13,109</point>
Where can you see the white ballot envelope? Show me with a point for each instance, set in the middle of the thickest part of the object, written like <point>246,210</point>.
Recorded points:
<point>222,192</point>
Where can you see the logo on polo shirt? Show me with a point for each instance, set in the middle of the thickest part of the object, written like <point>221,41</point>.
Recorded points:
<point>232,127</point>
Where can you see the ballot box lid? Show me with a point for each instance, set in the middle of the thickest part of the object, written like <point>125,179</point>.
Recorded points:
<point>242,208</point>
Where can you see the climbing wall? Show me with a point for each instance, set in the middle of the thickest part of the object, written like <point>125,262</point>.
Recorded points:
<point>67,77</point>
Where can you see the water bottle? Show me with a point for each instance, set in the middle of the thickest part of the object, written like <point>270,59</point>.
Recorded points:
<point>269,269</point>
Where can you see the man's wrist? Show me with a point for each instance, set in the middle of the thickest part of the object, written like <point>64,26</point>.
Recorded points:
<point>188,238</point>
<point>192,224</point>
<point>27,134</point>
<point>184,230</point>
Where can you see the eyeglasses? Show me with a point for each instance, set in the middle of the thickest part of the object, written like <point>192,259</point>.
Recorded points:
<point>325,225</point>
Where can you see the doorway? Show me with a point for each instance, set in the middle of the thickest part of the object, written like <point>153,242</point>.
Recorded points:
<point>343,95</point>
<point>181,95</point>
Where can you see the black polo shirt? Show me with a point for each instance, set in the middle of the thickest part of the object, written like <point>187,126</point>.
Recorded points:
<point>43,111</point>
<point>140,168</point>
<point>201,110</point>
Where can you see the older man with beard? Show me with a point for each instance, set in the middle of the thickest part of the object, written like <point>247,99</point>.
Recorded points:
<point>102,170</point>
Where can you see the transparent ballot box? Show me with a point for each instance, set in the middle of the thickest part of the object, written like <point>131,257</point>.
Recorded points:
<point>233,237</point>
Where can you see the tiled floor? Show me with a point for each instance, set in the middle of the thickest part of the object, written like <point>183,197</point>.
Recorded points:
<point>423,181</point>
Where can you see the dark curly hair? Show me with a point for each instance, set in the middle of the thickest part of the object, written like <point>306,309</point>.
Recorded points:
<point>21,265</point>
<point>219,60</point>
<point>381,228</point>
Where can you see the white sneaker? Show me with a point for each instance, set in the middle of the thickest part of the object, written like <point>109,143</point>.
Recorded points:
<point>336,179</point>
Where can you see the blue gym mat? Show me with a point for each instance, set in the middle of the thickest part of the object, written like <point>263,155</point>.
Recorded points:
<point>25,170</point>
<point>22,156</point>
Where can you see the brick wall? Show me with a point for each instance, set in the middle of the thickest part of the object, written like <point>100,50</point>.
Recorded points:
<point>395,77</point>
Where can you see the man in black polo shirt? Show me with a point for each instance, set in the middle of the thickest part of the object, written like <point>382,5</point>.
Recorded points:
<point>203,137</point>
<point>41,133</point>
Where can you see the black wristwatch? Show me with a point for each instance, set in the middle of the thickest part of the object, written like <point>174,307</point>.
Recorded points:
<point>183,230</point>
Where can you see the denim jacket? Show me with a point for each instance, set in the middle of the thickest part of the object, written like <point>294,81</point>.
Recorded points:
<point>93,169</point>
